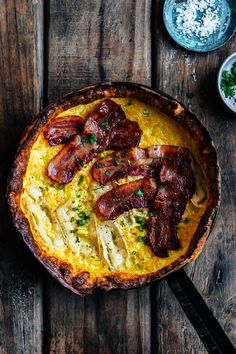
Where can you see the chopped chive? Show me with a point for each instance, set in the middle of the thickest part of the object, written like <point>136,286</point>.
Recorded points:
<point>96,188</point>
<point>117,161</point>
<point>103,124</point>
<point>113,235</point>
<point>138,219</point>
<point>72,219</point>
<point>143,239</point>
<point>80,222</point>
<point>139,193</point>
<point>150,213</point>
<point>133,252</point>
<point>83,215</point>
<point>107,173</point>
<point>77,239</point>
<point>75,209</point>
<point>141,228</point>
<point>92,139</point>
<point>146,112</point>
<point>129,103</point>
<point>81,178</point>
<point>83,140</point>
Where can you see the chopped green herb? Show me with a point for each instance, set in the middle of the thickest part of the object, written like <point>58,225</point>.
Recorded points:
<point>75,209</point>
<point>143,239</point>
<point>139,193</point>
<point>113,235</point>
<point>133,252</point>
<point>150,213</point>
<point>146,112</point>
<point>77,239</point>
<point>126,152</point>
<point>104,123</point>
<point>107,173</point>
<point>83,140</point>
<point>83,215</point>
<point>80,222</point>
<point>138,219</point>
<point>57,186</point>
<point>117,161</point>
<point>129,103</point>
<point>96,188</point>
<point>78,196</point>
<point>81,178</point>
<point>72,219</point>
<point>228,82</point>
<point>92,139</point>
<point>141,228</point>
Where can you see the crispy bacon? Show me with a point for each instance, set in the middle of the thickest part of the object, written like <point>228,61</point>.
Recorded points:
<point>177,187</point>
<point>64,129</point>
<point>171,167</point>
<point>136,162</point>
<point>138,194</point>
<point>128,134</point>
<point>119,164</point>
<point>99,129</point>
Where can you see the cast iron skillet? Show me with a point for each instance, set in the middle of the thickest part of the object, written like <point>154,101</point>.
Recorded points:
<point>184,290</point>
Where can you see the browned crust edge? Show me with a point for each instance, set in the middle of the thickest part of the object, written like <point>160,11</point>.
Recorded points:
<point>81,283</point>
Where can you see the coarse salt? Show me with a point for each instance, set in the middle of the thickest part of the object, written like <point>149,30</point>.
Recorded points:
<point>198,18</point>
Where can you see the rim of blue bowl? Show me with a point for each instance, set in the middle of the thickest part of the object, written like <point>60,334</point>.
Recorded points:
<point>220,91</point>
<point>199,50</point>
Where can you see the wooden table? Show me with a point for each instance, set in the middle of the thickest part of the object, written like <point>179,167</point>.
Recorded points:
<point>47,49</point>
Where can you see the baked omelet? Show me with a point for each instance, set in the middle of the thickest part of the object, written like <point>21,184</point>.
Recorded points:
<point>59,222</point>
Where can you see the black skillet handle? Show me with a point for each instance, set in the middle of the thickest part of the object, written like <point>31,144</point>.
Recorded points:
<point>210,332</point>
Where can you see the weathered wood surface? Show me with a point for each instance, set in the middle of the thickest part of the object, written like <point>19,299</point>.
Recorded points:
<point>191,78</point>
<point>20,99</point>
<point>87,42</point>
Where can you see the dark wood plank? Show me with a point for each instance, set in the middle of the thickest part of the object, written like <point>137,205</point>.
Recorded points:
<point>191,78</point>
<point>89,42</point>
<point>20,99</point>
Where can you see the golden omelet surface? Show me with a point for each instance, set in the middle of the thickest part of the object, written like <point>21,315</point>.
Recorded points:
<point>62,217</point>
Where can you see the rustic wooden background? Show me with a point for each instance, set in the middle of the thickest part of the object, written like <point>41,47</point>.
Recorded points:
<point>47,49</point>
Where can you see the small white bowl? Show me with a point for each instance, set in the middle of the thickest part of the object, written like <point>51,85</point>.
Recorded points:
<point>227,65</point>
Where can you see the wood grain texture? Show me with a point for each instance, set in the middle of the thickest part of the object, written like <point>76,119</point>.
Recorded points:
<point>90,42</point>
<point>191,78</point>
<point>20,99</point>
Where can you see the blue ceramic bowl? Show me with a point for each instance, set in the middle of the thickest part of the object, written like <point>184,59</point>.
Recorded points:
<point>227,65</point>
<point>224,32</point>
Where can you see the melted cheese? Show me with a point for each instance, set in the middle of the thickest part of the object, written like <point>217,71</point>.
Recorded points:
<point>100,246</point>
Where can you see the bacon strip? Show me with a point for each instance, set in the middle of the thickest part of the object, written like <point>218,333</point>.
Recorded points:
<point>128,134</point>
<point>138,194</point>
<point>64,129</point>
<point>135,162</point>
<point>177,187</point>
<point>99,129</point>
<point>119,164</point>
